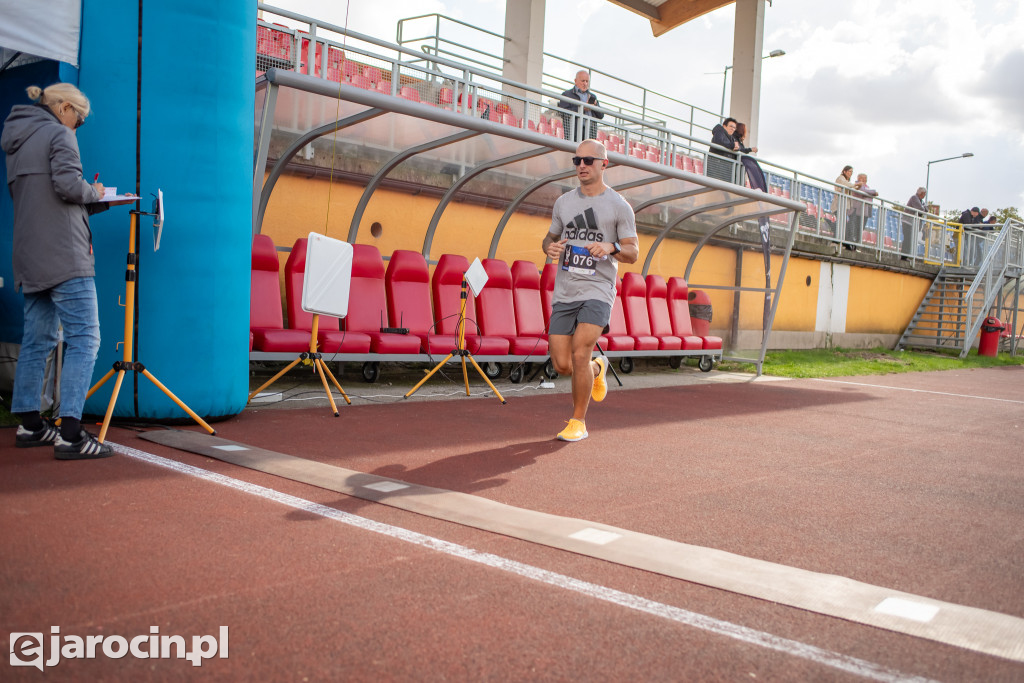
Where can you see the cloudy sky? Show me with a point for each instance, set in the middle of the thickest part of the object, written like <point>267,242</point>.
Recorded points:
<point>883,85</point>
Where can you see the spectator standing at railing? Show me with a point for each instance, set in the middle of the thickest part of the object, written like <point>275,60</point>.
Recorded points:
<point>841,199</point>
<point>971,216</point>
<point>860,210</point>
<point>916,212</point>
<point>581,92</point>
<point>739,136</point>
<point>720,162</point>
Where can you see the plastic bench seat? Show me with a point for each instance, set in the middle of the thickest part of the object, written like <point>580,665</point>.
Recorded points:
<point>446,286</point>
<point>367,311</point>
<point>266,320</point>
<point>329,337</point>
<point>634,305</point>
<point>676,292</point>
<point>496,315</point>
<point>617,339</point>
<point>407,286</point>
<point>657,312</point>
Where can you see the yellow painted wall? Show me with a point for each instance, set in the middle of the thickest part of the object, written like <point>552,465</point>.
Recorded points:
<point>881,301</point>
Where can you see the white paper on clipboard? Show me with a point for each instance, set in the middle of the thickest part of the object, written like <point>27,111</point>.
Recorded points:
<point>325,284</point>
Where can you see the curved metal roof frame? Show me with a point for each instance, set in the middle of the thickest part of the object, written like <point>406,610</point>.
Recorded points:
<point>535,144</point>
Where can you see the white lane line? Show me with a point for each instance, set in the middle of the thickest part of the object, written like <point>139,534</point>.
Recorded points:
<point>915,391</point>
<point>835,660</point>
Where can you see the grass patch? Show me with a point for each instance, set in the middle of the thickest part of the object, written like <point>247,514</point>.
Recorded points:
<point>879,361</point>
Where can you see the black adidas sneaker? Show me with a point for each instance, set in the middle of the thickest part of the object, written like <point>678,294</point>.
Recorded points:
<point>46,435</point>
<point>86,448</point>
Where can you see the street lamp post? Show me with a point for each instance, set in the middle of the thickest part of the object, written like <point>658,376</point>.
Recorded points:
<point>928,176</point>
<point>725,73</point>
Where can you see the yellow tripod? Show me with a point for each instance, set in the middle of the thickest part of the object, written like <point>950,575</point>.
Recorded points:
<point>126,363</point>
<point>314,358</point>
<point>460,351</point>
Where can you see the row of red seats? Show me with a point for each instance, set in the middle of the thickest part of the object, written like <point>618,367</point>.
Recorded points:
<point>508,321</point>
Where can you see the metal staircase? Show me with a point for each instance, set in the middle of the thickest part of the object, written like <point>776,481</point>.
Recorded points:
<point>959,299</point>
<point>941,320</point>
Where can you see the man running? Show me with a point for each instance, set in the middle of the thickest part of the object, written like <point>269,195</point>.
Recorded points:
<point>592,230</point>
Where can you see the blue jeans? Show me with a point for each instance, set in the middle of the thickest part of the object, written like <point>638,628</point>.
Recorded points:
<point>72,304</point>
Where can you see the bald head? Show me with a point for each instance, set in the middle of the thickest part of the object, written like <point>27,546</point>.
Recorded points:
<point>582,80</point>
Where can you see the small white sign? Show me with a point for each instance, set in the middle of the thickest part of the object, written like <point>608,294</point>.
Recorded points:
<point>476,277</point>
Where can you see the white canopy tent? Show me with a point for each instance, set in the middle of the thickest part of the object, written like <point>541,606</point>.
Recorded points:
<point>50,32</point>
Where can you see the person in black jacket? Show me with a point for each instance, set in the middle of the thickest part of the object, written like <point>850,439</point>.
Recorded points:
<point>720,164</point>
<point>579,92</point>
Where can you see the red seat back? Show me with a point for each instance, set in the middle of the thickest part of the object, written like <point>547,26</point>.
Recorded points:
<point>547,290</point>
<point>679,307</point>
<point>526,299</point>
<point>634,304</point>
<point>294,272</point>
<point>265,286</point>
<point>657,306</point>
<point>617,322</point>
<point>407,285</point>
<point>494,311</point>
<point>367,310</point>
<point>446,286</point>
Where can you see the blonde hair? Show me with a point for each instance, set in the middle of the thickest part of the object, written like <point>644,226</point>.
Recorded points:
<point>59,93</point>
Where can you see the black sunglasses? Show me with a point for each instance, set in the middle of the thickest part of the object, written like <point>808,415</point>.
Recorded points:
<point>589,161</point>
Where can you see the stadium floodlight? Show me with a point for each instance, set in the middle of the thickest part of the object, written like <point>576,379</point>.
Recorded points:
<point>725,74</point>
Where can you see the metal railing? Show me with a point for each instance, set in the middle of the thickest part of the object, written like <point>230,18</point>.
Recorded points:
<point>1002,253</point>
<point>448,73</point>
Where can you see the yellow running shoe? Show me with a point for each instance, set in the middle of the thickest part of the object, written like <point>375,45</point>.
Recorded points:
<point>600,389</point>
<point>574,431</point>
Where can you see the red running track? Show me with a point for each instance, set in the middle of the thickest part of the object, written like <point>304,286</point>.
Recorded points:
<point>920,491</point>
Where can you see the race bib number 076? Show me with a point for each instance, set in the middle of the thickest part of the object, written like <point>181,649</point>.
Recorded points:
<point>578,260</point>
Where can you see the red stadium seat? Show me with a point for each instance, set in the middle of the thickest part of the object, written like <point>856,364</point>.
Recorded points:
<point>409,93</point>
<point>266,321</point>
<point>446,98</point>
<point>407,285</point>
<point>362,82</point>
<point>446,286</point>
<point>617,339</point>
<point>547,290</point>
<point>657,311</point>
<point>367,310</point>
<point>330,338</point>
<point>495,311</point>
<point>527,301</point>
<point>634,305</point>
<point>679,314</point>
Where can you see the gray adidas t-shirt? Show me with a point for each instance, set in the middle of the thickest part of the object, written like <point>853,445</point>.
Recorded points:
<point>583,220</point>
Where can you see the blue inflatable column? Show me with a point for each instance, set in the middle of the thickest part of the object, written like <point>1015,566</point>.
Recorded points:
<point>193,101</point>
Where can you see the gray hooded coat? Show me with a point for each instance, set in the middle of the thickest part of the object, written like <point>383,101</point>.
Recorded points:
<point>52,201</point>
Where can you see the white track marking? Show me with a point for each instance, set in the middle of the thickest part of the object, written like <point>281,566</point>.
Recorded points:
<point>916,391</point>
<point>835,660</point>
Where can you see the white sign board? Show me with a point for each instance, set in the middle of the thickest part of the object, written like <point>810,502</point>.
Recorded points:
<point>328,275</point>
